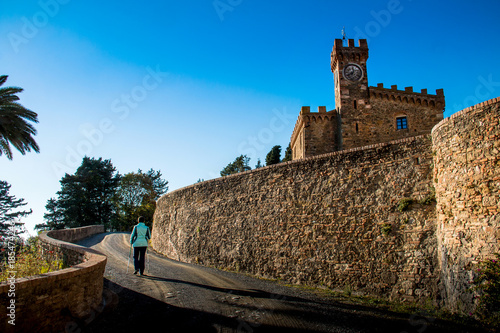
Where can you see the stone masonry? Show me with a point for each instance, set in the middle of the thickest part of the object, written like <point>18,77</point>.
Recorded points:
<point>467,177</point>
<point>403,220</point>
<point>331,220</point>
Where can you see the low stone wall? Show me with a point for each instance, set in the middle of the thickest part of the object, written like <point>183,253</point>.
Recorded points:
<point>57,301</point>
<point>328,220</point>
<point>467,176</point>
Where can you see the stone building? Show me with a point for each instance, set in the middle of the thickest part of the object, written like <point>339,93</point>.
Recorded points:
<point>364,115</point>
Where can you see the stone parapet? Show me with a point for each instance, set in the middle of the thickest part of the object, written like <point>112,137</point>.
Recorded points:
<point>62,300</point>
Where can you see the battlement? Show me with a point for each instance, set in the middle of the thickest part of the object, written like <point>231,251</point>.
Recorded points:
<point>306,116</point>
<point>350,52</point>
<point>408,95</point>
<point>339,44</point>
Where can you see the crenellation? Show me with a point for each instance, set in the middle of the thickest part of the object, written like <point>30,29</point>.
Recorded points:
<point>366,115</point>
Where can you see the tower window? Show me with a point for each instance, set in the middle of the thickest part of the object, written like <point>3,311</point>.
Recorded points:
<point>401,123</point>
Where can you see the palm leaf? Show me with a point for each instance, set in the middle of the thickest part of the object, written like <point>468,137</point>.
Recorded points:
<point>15,128</point>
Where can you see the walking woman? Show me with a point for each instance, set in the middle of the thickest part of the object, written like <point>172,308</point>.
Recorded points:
<point>139,240</point>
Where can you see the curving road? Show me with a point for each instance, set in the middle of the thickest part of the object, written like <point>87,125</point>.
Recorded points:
<point>179,297</point>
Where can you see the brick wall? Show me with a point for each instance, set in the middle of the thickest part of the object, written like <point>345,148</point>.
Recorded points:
<point>467,175</point>
<point>61,300</point>
<point>329,220</point>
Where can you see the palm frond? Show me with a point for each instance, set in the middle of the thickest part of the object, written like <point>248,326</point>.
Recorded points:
<point>15,128</point>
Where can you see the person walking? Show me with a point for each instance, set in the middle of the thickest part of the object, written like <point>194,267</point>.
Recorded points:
<point>139,240</point>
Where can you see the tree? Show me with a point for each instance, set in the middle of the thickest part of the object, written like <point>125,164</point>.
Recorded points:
<point>136,196</point>
<point>240,164</point>
<point>15,128</point>
<point>160,186</point>
<point>288,154</point>
<point>54,217</point>
<point>274,156</point>
<point>259,164</point>
<point>86,198</point>
<point>9,215</point>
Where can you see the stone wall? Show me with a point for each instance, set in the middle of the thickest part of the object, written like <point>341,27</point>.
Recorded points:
<point>329,220</point>
<point>467,176</point>
<point>57,301</point>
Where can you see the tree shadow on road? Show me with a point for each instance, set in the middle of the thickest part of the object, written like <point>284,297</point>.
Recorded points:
<point>129,311</point>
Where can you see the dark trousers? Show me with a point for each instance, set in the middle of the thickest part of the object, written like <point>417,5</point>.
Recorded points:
<point>140,258</point>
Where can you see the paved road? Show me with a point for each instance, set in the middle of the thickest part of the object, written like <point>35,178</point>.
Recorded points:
<point>179,297</point>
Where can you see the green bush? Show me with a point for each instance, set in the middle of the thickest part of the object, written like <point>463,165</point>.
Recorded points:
<point>404,204</point>
<point>30,259</point>
<point>386,229</point>
<point>487,284</point>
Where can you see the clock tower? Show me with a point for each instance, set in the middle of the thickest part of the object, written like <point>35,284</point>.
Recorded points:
<point>348,65</point>
<point>363,115</point>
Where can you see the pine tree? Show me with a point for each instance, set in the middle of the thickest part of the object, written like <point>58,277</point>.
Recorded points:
<point>288,154</point>
<point>86,198</point>
<point>274,156</point>
<point>9,215</point>
<point>240,164</point>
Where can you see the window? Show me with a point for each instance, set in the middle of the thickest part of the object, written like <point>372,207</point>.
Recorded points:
<point>401,123</point>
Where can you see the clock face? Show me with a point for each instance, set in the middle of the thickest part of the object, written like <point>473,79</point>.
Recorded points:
<point>353,72</point>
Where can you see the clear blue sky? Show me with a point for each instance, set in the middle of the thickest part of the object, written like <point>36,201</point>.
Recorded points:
<point>185,87</point>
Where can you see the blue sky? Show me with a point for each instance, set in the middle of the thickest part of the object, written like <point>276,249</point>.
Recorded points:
<point>185,87</point>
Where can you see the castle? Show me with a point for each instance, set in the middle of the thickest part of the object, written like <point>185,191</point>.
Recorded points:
<point>383,197</point>
<point>364,115</point>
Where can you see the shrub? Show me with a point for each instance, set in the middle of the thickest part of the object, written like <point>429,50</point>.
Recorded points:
<point>487,284</point>
<point>404,204</point>
<point>31,259</point>
<point>386,228</point>
<point>430,198</point>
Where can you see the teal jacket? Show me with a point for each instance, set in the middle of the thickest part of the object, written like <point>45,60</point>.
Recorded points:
<point>140,235</point>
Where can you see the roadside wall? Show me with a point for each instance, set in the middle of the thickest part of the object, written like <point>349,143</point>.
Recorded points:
<point>328,220</point>
<point>467,176</point>
<point>62,300</point>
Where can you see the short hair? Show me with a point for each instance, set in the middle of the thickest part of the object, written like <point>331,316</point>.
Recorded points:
<point>140,219</point>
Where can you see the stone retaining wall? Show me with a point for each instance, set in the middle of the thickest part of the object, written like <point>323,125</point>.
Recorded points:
<point>329,220</point>
<point>467,176</point>
<point>57,301</point>
<point>333,220</point>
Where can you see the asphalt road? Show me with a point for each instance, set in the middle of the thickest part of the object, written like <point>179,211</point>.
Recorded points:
<point>180,297</point>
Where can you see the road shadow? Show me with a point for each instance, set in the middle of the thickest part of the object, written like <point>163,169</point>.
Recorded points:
<point>129,311</point>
